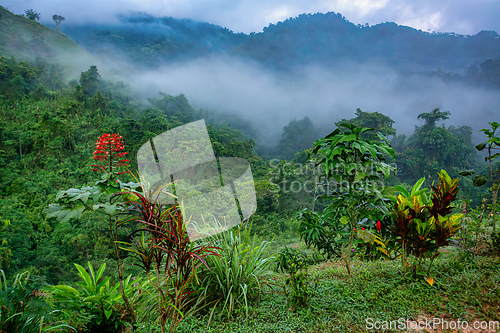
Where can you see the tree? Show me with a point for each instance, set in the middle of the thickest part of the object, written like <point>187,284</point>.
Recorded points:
<point>296,136</point>
<point>31,14</point>
<point>58,19</point>
<point>376,120</point>
<point>89,81</point>
<point>432,148</point>
<point>353,167</point>
<point>492,144</point>
<point>431,118</point>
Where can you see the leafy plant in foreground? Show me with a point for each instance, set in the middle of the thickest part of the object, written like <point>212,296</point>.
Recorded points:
<point>23,306</point>
<point>97,298</point>
<point>295,264</point>
<point>167,256</point>
<point>492,144</point>
<point>353,168</point>
<point>233,278</point>
<point>102,199</point>
<point>423,221</point>
<point>495,242</point>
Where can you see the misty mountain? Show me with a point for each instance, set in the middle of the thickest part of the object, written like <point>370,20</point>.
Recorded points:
<point>151,41</point>
<point>328,40</point>
<point>331,40</point>
<point>29,40</point>
<point>321,66</point>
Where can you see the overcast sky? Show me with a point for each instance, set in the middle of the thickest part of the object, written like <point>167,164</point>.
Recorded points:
<point>459,16</point>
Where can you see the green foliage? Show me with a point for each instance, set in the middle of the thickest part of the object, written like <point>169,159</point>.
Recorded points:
<point>32,15</point>
<point>233,278</point>
<point>24,306</point>
<point>432,148</point>
<point>167,256</point>
<point>97,299</point>
<point>464,289</point>
<point>491,145</point>
<point>47,139</point>
<point>423,222</point>
<point>473,232</point>
<point>431,118</point>
<point>57,19</point>
<point>346,156</point>
<point>296,136</point>
<point>89,82</point>
<point>295,264</point>
<point>323,231</point>
<point>495,242</point>
<point>354,165</point>
<point>5,252</point>
<point>376,120</point>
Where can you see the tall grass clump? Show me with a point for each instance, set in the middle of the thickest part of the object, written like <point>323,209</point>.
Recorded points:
<point>234,277</point>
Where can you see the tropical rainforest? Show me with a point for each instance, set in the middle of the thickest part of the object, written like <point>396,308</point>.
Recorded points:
<point>355,218</point>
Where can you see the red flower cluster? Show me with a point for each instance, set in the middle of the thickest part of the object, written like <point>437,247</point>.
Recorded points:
<point>379,226</point>
<point>108,149</point>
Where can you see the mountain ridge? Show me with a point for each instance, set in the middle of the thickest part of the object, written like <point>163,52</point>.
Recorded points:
<point>321,39</point>
<point>30,40</point>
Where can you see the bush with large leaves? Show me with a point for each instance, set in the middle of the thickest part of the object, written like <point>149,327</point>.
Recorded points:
<point>422,222</point>
<point>99,303</point>
<point>354,160</point>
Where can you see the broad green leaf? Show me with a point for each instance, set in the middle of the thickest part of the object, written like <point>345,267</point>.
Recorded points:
<point>65,288</point>
<point>110,209</point>
<point>492,157</point>
<point>100,271</point>
<point>96,299</point>
<point>494,139</point>
<point>344,219</point>
<point>479,181</point>
<point>466,173</point>
<point>417,186</point>
<point>84,275</point>
<point>481,146</point>
<point>366,236</point>
<point>494,125</point>
<point>92,274</point>
<point>359,176</point>
<point>369,147</point>
<point>346,138</point>
<point>403,191</point>
<point>108,313</point>
<point>64,213</point>
<point>103,283</point>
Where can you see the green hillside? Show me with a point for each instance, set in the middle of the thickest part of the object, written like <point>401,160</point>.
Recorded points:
<point>25,39</point>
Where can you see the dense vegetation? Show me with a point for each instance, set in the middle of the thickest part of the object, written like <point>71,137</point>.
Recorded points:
<point>318,39</point>
<point>349,225</point>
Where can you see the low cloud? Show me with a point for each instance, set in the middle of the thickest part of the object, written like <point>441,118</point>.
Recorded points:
<point>269,100</point>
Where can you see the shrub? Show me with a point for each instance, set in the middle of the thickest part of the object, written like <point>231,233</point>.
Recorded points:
<point>167,256</point>
<point>234,277</point>
<point>23,306</point>
<point>495,242</point>
<point>423,222</point>
<point>295,264</point>
<point>99,303</point>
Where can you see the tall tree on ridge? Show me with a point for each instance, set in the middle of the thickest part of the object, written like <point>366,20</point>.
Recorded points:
<point>58,19</point>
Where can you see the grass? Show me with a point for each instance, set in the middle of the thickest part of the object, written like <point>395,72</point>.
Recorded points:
<point>465,288</point>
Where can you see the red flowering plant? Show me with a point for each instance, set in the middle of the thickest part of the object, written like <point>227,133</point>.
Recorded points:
<point>102,198</point>
<point>109,148</point>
